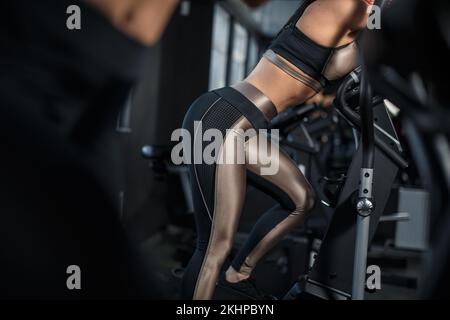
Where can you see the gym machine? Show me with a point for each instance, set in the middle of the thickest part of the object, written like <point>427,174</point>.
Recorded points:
<point>361,201</point>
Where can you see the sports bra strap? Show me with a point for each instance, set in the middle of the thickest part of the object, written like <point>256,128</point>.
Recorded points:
<point>319,65</point>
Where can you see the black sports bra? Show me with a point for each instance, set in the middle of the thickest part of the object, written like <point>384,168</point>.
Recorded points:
<point>319,64</point>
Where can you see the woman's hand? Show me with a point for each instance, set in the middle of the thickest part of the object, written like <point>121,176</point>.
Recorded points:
<point>322,100</point>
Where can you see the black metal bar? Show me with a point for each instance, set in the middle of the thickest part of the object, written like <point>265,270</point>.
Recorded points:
<point>247,52</point>
<point>239,13</point>
<point>386,149</point>
<point>229,51</point>
<point>367,127</point>
<point>355,120</point>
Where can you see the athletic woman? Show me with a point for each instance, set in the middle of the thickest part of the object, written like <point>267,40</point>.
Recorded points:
<point>316,46</point>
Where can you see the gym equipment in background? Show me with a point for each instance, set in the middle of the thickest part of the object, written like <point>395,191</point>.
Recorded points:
<point>364,194</point>
<point>402,70</point>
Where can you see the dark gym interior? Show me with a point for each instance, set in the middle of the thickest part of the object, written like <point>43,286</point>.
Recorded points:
<point>88,181</point>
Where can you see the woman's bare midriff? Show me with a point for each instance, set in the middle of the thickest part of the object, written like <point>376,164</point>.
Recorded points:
<point>282,89</point>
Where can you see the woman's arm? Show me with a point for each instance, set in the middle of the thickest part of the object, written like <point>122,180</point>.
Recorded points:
<point>144,20</point>
<point>330,23</point>
<point>333,23</point>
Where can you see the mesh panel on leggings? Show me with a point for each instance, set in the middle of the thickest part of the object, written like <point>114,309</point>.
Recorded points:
<point>221,116</point>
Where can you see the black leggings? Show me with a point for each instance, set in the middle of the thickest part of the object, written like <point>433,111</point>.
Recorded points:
<point>219,188</point>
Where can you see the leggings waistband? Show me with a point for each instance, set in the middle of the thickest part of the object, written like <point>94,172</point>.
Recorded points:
<point>261,101</point>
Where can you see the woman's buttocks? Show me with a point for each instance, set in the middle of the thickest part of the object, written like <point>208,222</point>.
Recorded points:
<point>210,111</point>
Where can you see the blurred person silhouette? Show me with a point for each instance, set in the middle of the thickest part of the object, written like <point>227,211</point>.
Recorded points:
<point>60,93</point>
